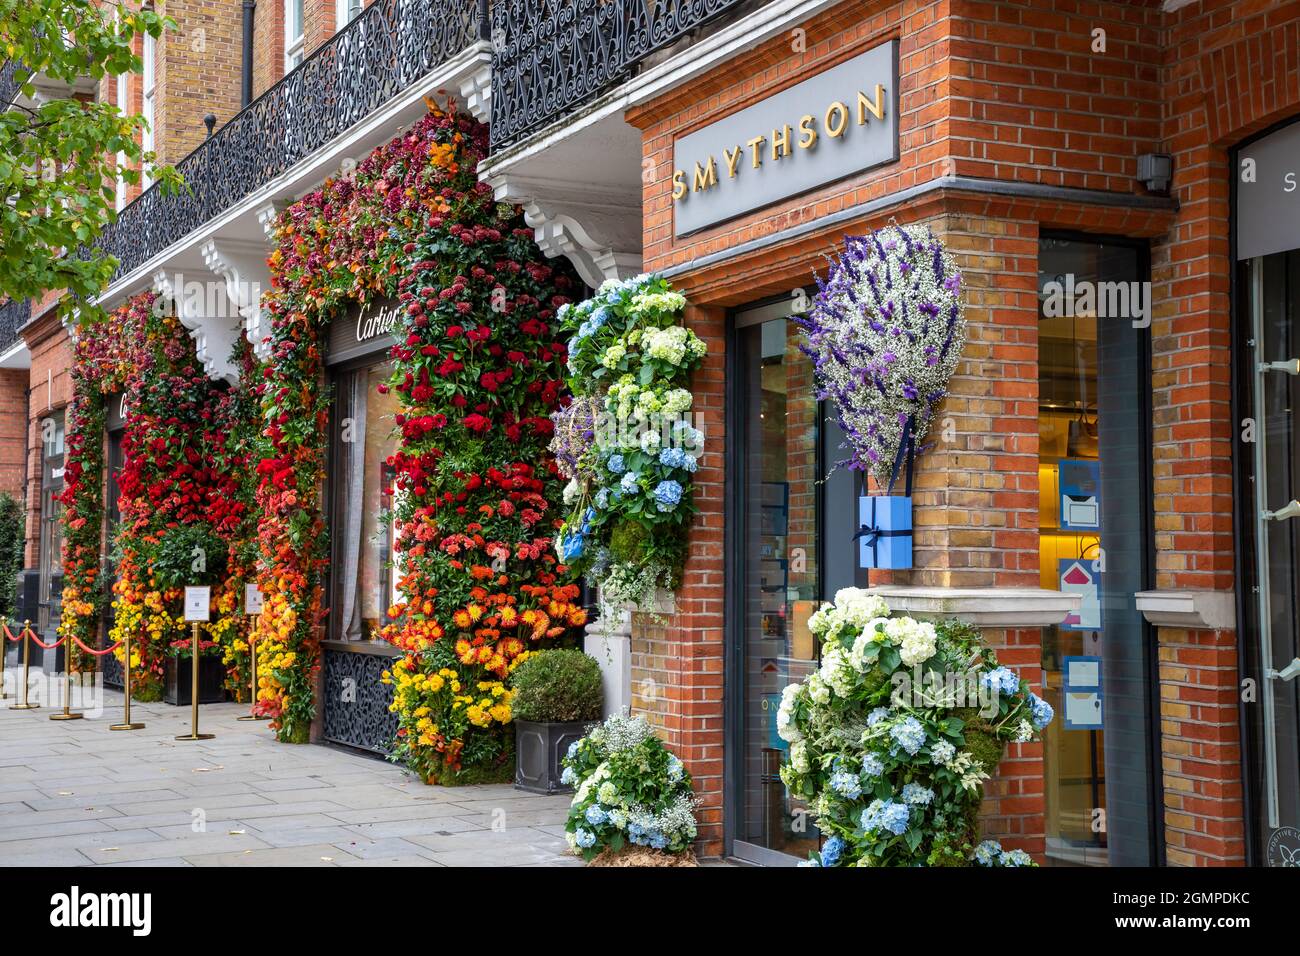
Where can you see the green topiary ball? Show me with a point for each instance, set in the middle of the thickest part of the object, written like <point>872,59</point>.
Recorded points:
<point>557,686</point>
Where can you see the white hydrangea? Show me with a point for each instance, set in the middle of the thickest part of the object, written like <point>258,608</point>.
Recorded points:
<point>659,301</point>
<point>676,401</point>
<point>571,491</point>
<point>917,640</point>
<point>799,756</point>
<point>785,727</point>
<point>672,344</point>
<point>837,671</point>
<point>857,606</point>
<point>818,689</point>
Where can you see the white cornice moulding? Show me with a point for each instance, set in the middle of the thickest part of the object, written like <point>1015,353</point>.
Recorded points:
<point>983,607</point>
<point>213,334</point>
<point>476,91</point>
<point>1190,609</point>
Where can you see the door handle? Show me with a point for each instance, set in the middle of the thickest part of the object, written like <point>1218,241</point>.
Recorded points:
<point>1290,672</point>
<point>1290,366</point>
<point>1282,514</point>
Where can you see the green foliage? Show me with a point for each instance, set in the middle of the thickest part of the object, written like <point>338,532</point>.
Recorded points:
<point>11,553</point>
<point>557,686</point>
<point>188,555</point>
<point>58,169</point>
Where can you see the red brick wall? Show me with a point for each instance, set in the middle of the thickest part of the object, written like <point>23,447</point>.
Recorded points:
<point>51,389</point>
<point>13,431</point>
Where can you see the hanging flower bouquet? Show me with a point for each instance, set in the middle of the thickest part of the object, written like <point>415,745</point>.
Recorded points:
<point>627,445</point>
<point>893,736</point>
<point>885,334</point>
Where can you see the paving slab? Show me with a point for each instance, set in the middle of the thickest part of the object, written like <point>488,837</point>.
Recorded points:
<point>74,793</point>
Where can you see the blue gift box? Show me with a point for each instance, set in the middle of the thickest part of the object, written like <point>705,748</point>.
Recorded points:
<point>885,538</point>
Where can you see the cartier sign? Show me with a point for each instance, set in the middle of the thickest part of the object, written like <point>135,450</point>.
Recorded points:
<point>365,329</point>
<point>835,124</point>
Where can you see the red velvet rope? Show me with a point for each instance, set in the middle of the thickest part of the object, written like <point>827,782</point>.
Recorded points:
<point>39,643</point>
<point>9,634</point>
<point>94,653</point>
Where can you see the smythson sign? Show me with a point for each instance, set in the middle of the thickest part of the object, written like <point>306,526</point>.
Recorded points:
<point>830,126</point>
<point>364,329</point>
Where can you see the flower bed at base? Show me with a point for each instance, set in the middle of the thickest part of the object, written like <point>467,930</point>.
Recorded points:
<point>892,737</point>
<point>631,791</point>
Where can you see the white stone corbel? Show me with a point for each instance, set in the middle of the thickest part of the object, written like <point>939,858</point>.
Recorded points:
<point>242,266</point>
<point>476,91</point>
<point>208,314</point>
<point>598,230</point>
<point>266,217</point>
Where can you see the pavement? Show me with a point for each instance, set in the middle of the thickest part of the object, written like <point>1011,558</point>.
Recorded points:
<point>74,793</point>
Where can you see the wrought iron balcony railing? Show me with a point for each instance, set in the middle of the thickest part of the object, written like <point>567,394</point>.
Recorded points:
<point>14,314</point>
<point>383,51</point>
<point>550,56</point>
<point>8,83</point>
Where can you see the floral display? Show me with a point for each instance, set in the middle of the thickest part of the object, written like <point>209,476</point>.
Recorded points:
<point>884,334</point>
<point>178,512</point>
<point>630,471</point>
<point>477,371</point>
<point>892,738</point>
<point>630,790</point>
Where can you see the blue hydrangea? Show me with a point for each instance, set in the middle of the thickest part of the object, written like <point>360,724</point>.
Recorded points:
<point>629,484</point>
<point>601,500</point>
<point>675,768</point>
<point>595,815</point>
<point>872,765</point>
<point>832,850</point>
<point>846,784</point>
<point>916,794</point>
<point>668,494</point>
<point>877,715</point>
<point>1041,712</point>
<point>568,778</point>
<point>988,852</point>
<point>573,749</point>
<point>886,815</point>
<point>909,734</point>
<point>585,838</point>
<point>1002,679</point>
<point>671,457</point>
<point>1015,858</point>
<point>615,464</point>
<point>658,841</point>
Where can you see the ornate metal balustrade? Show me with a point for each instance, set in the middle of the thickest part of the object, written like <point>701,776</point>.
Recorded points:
<point>13,316</point>
<point>382,52</point>
<point>8,83</point>
<point>550,56</point>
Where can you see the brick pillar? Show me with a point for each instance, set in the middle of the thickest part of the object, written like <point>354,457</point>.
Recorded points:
<point>1201,748</point>
<point>677,667</point>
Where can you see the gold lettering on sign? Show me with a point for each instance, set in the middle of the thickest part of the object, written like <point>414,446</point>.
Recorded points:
<point>706,177</point>
<point>781,143</point>
<point>877,109</point>
<point>837,119</point>
<point>755,152</point>
<point>807,135</point>
<point>679,184</point>
<point>733,157</point>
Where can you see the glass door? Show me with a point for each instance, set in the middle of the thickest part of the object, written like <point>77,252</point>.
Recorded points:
<point>1271,286</point>
<point>775,573</point>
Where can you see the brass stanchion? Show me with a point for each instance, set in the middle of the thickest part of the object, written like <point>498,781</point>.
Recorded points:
<point>67,687</point>
<point>252,666</point>
<point>27,663</point>
<point>126,690</point>
<point>194,688</point>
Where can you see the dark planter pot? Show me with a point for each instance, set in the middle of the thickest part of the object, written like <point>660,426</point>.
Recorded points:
<point>539,752</point>
<point>212,681</point>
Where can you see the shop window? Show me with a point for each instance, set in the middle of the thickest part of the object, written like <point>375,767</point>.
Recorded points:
<point>364,569</point>
<point>1095,540</point>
